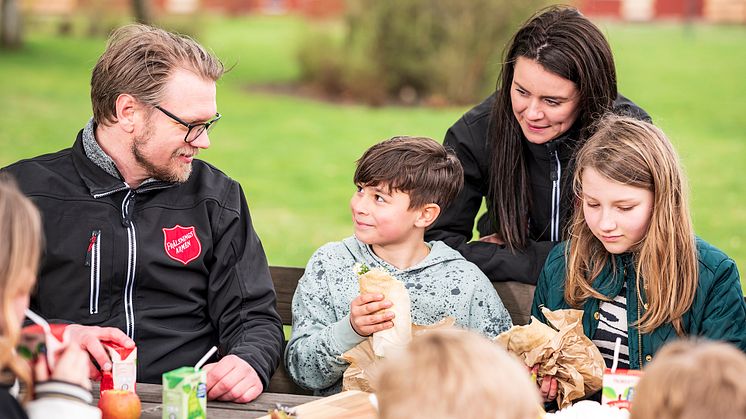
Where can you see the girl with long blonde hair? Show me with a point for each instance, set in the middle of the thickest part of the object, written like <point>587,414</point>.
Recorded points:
<point>66,394</point>
<point>633,263</point>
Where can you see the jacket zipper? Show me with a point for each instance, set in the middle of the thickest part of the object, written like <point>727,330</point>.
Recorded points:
<point>639,333</point>
<point>129,312</point>
<point>93,259</point>
<point>556,174</point>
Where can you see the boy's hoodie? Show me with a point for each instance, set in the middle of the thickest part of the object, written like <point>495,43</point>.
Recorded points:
<point>441,285</point>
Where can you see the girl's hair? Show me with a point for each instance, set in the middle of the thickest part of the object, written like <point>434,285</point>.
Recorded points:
<point>692,380</point>
<point>455,374</point>
<point>567,44</point>
<point>20,237</point>
<point>638,154</point>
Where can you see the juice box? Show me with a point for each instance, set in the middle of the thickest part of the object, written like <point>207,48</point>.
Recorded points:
<point>184,394</point>
<point>619,387</point>
<point>34,341</point>
<point>123,374</point>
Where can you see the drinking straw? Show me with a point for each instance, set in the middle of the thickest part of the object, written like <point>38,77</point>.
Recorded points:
<point>204,358</point>
<point>617,346</point>
<point>51,342</point>
<point>38,320</point>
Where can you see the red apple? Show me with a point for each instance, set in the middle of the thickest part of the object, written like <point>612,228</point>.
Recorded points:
<point>119,404</point>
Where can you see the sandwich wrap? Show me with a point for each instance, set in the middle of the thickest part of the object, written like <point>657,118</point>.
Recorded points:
<point>378,281</point>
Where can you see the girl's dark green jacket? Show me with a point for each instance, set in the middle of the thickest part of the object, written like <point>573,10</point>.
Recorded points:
<point>718,311</point>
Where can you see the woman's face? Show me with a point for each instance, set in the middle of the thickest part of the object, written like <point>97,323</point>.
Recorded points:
<point>545,104</point>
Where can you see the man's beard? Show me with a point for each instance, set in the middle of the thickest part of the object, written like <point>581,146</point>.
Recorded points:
<point>175,172</point>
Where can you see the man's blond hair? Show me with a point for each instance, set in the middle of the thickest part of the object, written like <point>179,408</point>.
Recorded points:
<point>139,60</point>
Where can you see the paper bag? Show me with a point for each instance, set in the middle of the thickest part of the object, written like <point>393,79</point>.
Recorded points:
<point>562,351</point>
<point>364,364</point>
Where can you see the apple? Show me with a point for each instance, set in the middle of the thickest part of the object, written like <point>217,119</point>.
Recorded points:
<point>119,404</point>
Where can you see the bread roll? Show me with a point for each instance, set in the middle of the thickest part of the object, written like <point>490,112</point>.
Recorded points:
<point>378,281</point>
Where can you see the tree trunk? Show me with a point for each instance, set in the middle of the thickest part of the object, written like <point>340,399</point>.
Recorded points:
<point>10,24</point>
<point>143,11</point>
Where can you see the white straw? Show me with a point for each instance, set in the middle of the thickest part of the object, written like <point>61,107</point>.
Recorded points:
<point>204,358</point>
<point>617,346</point>
<point>38,320</point>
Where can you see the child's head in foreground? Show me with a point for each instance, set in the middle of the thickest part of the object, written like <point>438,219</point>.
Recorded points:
<point>693,380</point>
<point>455,374</point>
<point>20,247</point>
<point>402,185</point>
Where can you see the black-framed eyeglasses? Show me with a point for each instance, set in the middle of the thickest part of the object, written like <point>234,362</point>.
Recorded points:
<point>193,130</point>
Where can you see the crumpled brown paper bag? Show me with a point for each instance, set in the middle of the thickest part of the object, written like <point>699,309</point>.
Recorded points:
<point>562,351</point>
<point>364,364</point>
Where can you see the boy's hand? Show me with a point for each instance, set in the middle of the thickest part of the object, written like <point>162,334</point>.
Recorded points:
<point>365,315</point>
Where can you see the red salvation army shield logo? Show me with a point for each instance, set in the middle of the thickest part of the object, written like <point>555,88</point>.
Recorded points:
<point>181,243</point>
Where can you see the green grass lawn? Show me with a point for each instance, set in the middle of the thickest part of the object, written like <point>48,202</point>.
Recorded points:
<point>295,157</point>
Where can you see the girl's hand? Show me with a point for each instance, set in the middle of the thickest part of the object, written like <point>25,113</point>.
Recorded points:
<point>365,315</point>
<point>547,386</point>
<point>71,367</point>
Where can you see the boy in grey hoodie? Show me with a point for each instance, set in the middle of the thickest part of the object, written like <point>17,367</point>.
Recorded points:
<point>402,185</point>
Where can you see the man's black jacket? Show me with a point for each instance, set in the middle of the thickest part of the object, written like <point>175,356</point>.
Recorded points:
<point>178,267</point>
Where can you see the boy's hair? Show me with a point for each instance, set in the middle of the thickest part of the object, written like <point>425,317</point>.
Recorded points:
<point>693,380</point>
<point>417,166</point>
<point>20,248</point>
<point>637,154</point>
<point>455,374</point>
<point>139,60</point>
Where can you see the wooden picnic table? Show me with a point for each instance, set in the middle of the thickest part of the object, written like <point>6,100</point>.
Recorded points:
<point>349,404</point>
<point>151,397</point>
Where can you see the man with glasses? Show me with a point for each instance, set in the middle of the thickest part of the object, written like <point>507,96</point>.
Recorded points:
<point>145,244</point>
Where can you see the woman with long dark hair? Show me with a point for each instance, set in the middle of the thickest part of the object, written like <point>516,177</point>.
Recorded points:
<point>516,147</point>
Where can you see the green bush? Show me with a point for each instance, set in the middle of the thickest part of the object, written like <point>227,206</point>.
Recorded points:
<point>414,50</point>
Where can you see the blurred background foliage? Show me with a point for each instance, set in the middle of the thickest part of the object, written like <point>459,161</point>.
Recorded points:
<point>413,51</point>
<point>295,154</point>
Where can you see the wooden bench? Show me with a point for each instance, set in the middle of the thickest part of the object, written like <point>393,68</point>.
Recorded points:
<point>516,297</point>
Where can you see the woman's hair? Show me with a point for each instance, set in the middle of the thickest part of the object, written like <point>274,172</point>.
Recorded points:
<point>139,60</point>
<point>455,374</point>
<point>20,236</point>
<point>567,44</point>
<point>693,380</point>
<point>637,154</point>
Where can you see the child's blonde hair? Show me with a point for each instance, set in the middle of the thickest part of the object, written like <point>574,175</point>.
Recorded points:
<point>455,374</point>
<point>638,154</point>
<point>20,236</point>
<point>693,380</point>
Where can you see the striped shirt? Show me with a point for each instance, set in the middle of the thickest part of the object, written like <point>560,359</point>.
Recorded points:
<point>612,323</point>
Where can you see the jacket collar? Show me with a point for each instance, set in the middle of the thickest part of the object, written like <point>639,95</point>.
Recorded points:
<point>564,145</point>
<point>97,169</point>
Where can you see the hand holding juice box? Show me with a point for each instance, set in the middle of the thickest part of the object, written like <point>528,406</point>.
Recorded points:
<point>41,338</point>
<point>123,374</point>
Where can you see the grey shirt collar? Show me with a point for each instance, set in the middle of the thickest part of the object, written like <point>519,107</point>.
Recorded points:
<point>98,156</point>
<point>95,153</point>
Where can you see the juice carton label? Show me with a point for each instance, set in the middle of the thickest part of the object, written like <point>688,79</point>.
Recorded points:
<point>123,374</point>
<point>619,388</point>
<point>34,341</point>
<point>184,394</point>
